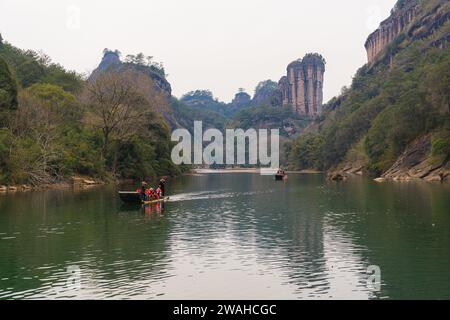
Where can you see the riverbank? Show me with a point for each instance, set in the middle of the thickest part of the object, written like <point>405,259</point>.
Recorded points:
<point>76,182</point>
<point>244,170</point>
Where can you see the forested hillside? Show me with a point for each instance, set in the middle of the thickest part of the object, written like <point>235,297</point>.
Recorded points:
<point>56,125</point>
<point>394,102</point>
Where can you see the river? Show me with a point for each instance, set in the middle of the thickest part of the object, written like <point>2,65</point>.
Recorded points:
<point>230,236</point>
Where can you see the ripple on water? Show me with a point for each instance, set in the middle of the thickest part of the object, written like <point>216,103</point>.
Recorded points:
<point>300,239</point>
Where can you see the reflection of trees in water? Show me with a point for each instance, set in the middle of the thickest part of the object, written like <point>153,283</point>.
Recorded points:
<point>295,236</point>
<point>284,230</point>
<point>404,227</point>
<point>55,229</point>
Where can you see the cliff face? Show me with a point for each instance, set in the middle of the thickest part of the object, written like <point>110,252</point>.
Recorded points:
<point>430,24</point>
<point>393,122</point>
<point>410,18</point>
<point>400,17</point>
<point>303,86</point>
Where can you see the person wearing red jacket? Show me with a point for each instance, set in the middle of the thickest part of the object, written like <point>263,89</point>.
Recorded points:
<point>152,194</point>
<point>159,192</point>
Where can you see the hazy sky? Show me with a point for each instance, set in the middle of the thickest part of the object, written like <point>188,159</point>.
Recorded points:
<point>204,44</point>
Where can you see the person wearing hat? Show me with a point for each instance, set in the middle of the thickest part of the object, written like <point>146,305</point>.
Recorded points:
<point>161,187</point>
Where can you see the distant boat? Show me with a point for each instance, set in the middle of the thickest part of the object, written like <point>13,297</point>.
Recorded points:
<point>280,176</point>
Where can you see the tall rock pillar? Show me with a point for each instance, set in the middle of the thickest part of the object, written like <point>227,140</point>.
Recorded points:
<point>303,86</point>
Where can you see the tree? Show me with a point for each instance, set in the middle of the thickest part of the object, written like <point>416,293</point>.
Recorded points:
<point>44,112</point>
<point>116,106</point>
<point>8,87</point>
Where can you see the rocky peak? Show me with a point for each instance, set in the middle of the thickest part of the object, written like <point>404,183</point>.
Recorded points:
<point>111,62</point>
<point>302,88</point>
<point>109,58</point>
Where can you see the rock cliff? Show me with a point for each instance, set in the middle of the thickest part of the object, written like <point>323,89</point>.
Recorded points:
<point>416,163</point>
<point>403,13</point>
<point>302,88</point>
<point>416,21</point>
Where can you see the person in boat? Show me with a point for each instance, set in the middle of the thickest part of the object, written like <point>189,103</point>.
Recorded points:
<point>161,186</point>
<point>143,190</point>
<point>159,191</point>
<point>152,194</point>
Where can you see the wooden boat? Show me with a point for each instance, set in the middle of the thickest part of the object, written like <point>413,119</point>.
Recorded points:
<point>280,177</point>
<point>130,196</point>
<point>135,197</point>
<point>155,201</point>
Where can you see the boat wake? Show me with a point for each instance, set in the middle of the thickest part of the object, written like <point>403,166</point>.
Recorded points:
<point>219,194</point>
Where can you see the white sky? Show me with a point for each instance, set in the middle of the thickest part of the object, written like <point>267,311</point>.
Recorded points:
<point>204,44</point>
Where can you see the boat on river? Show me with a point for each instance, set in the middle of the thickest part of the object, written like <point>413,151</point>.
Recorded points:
<point>130,196</point>
<point>280,175</point>
<point>135,197</point>
<point>164,199</point>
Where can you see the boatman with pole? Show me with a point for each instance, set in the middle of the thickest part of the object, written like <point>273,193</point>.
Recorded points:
<point>161,187</point>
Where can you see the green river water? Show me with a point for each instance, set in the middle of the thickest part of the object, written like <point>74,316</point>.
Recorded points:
<point>230,236</point>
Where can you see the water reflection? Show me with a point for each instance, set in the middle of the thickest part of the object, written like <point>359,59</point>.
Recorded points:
<point>230,236</point>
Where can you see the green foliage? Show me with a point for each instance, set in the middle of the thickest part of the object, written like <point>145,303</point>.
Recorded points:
<point>388,106</point>
<point>253,117</point>
<point>31,67</point>
<point>440,142</point>
<point>80,149</point>
<point>51,137</point>
<point>8,87</point>
<point>186,114</point>
<point>305,153</point>
<point>146,61</point>
<point>205,101</point>
<point>5,151</point>
<point>267,93</point>
<point>440,146</point>
<point>266,86</point>
<point>148,154</point>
